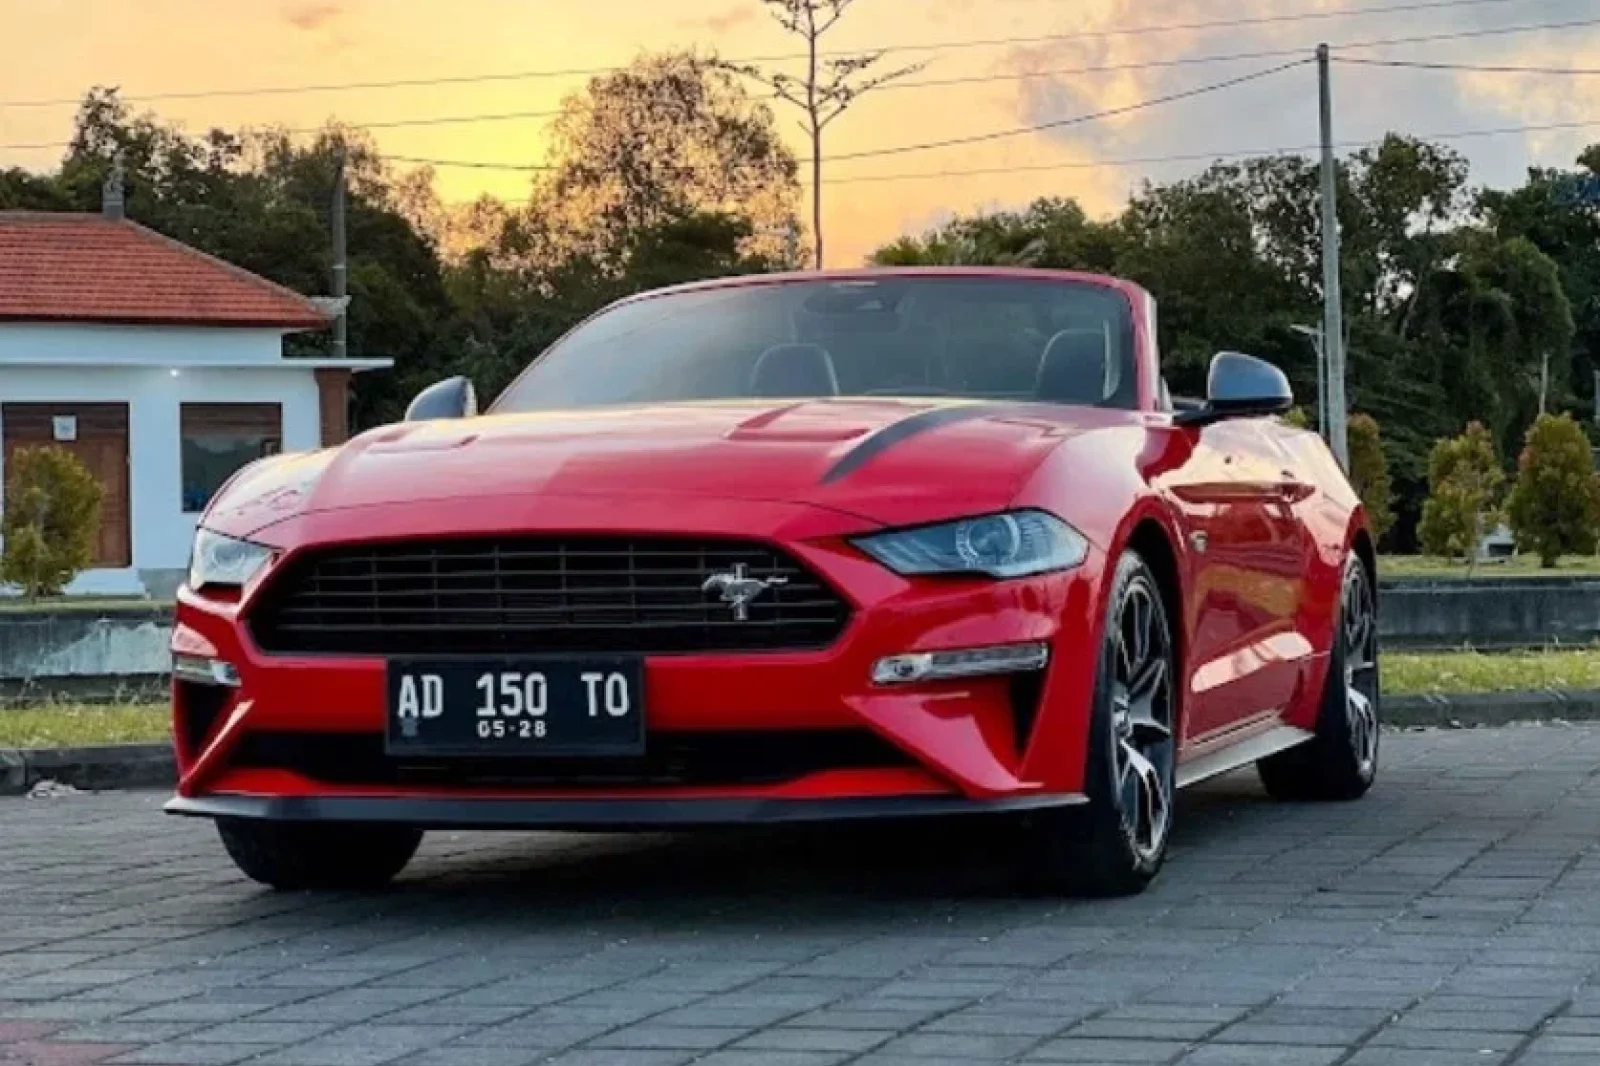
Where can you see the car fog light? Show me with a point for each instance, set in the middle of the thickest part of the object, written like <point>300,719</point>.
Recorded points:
<point>969,662</point>
<point>205,671</point>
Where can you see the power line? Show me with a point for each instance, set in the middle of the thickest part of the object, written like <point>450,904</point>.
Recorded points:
<point>1017,76</point>
<point>1213,87</point>
<point>1190,157</point>
<point>530,75</point>
<point>1022,76</point>
<point>1093,116</point>
<point>1183,157</point>
<point>994,135</point>
<point>1480,67</point>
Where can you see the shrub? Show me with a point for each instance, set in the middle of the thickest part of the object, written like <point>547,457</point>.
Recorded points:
<point>1464,480</point>
<point>1369,472</point>
<point>52,516</point>
<point>1554,508</point>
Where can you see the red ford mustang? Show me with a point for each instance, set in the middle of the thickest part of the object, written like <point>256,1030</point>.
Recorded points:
<point>817,546</point>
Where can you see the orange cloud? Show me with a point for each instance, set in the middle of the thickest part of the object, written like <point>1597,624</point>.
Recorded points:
<point>724,21</point>
<point>312,16</point>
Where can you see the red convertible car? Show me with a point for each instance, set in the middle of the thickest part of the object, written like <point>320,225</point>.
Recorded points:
<point>871,544</point>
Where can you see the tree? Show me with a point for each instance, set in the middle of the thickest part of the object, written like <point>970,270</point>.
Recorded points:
<point>1464,479</point>
<point>829,87</point>
<point>513,317</point>
<point>52,516</point>
<point>1197,246</point>
<point>661,140</point>
<point>1488,326</point>
<point>1554,507</point>
<point>1369,473</point>
<point>1051,232</point>
<point>1559,213</point>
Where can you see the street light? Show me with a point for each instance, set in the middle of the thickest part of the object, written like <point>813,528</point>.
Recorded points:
<point>1315,334</point>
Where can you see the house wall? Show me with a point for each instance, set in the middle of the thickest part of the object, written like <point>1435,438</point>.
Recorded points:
<point>160,531</point>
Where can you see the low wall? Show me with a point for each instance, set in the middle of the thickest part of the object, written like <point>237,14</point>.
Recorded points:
<point>121,652</point>
<point>1491,613</point>
<point>83,652</point>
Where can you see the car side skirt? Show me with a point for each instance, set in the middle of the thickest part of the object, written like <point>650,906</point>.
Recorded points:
<point>597,815</point>
<point>1241,754</point>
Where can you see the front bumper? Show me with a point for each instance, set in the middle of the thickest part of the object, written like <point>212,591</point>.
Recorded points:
<point>987,742</point>
<point>425,812</point>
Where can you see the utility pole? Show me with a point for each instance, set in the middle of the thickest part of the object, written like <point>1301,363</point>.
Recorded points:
<point>340,263</point>
<point>1332,312</point>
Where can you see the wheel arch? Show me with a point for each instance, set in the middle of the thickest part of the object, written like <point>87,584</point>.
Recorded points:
<point>1155,545</point>
<point>1367,551</point>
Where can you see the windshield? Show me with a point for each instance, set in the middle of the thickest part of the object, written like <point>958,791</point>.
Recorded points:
<point>995,338</point>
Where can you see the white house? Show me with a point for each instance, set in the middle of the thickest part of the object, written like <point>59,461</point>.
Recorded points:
<point>162,368</point>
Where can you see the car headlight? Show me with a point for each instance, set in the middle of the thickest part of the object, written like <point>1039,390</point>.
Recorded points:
<point>1014,544</point>
<point>221,560</point>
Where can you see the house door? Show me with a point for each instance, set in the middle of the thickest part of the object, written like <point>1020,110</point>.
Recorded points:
<point>97,433</point>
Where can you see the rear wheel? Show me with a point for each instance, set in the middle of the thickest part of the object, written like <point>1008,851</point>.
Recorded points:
<point>290,855</point>
<point>1116,844</point>
<point>1341,761</point>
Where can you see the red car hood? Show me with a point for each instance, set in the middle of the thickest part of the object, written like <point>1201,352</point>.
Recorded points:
<point>889,461</point>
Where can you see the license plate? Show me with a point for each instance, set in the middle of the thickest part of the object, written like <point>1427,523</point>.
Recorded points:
<point>527,707</point>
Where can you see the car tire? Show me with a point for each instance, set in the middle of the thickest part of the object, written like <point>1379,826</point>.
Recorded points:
<point>1341,761</point>
<point>292,856</point>
<point>1115,845</point>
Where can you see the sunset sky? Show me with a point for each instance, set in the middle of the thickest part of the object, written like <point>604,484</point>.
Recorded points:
<point>59,49</point>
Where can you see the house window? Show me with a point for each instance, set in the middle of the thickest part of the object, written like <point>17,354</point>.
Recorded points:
<point>218,439</point>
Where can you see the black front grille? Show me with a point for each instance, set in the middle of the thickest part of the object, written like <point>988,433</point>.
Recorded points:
<point>526,594</point>
<point>750,757</point>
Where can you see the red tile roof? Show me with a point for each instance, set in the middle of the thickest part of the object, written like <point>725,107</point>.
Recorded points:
<point>88,268</point>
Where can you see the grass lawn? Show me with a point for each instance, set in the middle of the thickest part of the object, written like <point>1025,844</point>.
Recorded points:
<point>1519,566</point>
<point>1417,673</point>
<point>66,725</point>
<point>18,605</point>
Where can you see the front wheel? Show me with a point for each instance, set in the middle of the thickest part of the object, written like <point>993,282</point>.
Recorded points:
<point>1341,761</point>
<point>288,856</point>
<point>1116,844</point>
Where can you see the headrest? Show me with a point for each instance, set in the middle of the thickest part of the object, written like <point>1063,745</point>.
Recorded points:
<point>790,370</point>
<point>1074,369</point>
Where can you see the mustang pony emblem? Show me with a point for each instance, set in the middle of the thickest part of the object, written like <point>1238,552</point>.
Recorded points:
<point>739,588</point>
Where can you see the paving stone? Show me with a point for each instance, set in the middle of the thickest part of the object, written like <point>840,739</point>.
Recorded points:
<point>618,1057</point>
<point>1445,919</point>
<point>1076,1050</point>
<point>971,1046</point>
<point>1263,1055</point>
<point>669,1037</point>
<point>793,1039</point>
<point>179,1053</point>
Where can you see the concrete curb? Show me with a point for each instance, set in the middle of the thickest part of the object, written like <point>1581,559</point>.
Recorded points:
<point>1493,708</point>
<point>108,767</point>
<point>134,766</point>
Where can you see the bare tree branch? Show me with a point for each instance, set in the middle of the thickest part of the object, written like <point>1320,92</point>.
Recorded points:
<point>829,87</point>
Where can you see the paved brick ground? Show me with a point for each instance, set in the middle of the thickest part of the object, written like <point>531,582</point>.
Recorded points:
<point>1451,918</point>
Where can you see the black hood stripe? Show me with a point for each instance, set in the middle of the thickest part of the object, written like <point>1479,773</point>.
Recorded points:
<point>886,438</point>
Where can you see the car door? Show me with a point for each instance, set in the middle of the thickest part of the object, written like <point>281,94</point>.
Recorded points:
<point>1231,494</point>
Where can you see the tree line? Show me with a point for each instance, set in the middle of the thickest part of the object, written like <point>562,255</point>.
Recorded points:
<point>1463,304</point>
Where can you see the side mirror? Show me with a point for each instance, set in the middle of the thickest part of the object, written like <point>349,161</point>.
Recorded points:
<point>1240,386</point>
<point>450,398</point>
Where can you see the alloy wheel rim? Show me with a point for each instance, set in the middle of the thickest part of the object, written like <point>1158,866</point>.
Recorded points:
<point>1360,636</point>
<point>1141,720</point>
